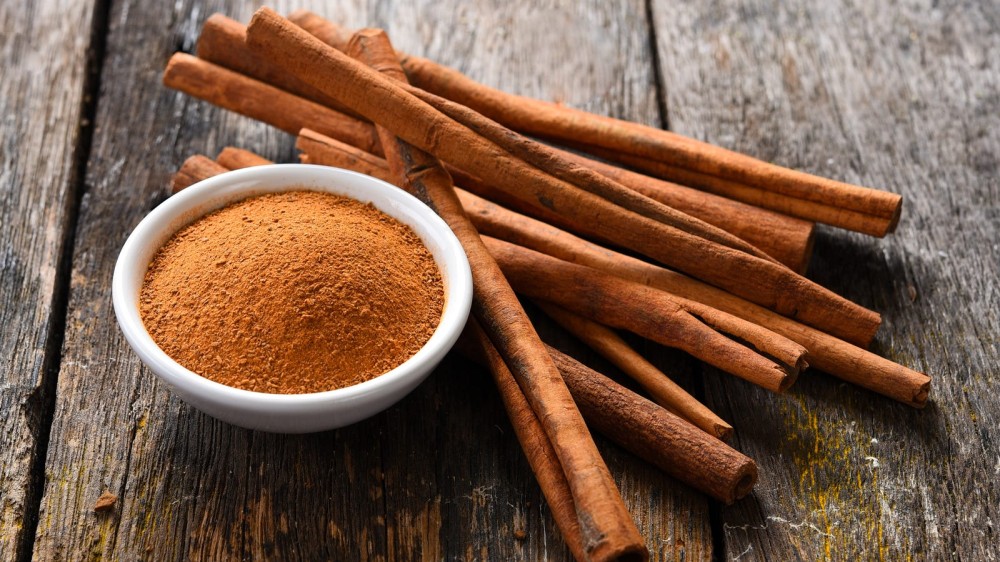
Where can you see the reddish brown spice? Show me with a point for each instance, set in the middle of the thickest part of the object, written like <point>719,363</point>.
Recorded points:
<point>105,502</point>
<point>292,293</point>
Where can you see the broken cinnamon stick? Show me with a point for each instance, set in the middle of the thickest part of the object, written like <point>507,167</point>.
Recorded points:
<point>384,102</point>
<point>607,529</point>
<point>664,391</point>
<point>616,137</point>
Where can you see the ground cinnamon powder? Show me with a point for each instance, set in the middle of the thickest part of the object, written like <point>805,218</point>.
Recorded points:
<point>292,293</point>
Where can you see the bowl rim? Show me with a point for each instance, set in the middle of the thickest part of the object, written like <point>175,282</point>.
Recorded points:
<point>458,284</point>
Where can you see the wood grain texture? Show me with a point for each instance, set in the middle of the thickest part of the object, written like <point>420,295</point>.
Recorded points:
<point>440,475</point>
<point>902,97</point>
<point>43,46</point>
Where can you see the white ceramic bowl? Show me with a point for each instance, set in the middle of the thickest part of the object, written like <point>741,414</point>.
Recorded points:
<point>291,413</point>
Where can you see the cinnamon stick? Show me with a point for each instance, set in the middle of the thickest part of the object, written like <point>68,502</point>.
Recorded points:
<point>785,238</point>
<point>384,102</point>
<point>657,436</point>
<point>653,434</point>
<point>325,151</point>
<point>827,353</point>
<point>607,530</point>
<point>846,219</point>
<point>474,342</point>
<point>619,137</point>
<point>223,42</point>
<point>553,163</point>
<point>664,391</point>
<point>531,435</point>
<point>193,170</point>
<point>237,158</point>
<point>253,98</point>
<point>766,359</point>
<point>616,137</point>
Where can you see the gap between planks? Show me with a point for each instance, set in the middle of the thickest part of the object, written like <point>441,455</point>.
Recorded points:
<point>45,397</point>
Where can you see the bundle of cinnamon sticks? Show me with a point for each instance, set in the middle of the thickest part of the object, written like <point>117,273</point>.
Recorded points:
<point>723,237</point>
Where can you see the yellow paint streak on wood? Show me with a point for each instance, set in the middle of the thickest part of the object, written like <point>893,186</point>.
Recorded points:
<point>827,457</point>
<point>108,521</point>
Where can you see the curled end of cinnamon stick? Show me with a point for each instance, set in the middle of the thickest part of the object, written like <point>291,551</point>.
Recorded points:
<point>238,158</point>
<point>745,483</point>
<point>894,220</point>
<point>216,24</point>
<point>807,251</point>
<point>748,351</point>
<point>170,72</point>
<point>922,394</point>
<point>193,170</point>
<point>723,431</point>
<point>786,382</point>
<point>801,364</point>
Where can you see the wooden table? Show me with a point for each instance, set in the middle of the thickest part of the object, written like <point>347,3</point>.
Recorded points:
<point>902,97</point>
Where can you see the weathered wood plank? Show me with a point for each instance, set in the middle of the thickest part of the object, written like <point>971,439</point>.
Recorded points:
<point>901,96</point>
<point>439,475</point>
<point>43,46</point>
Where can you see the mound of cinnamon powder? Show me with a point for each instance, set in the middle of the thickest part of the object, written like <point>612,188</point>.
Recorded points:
<point>292,293</point>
